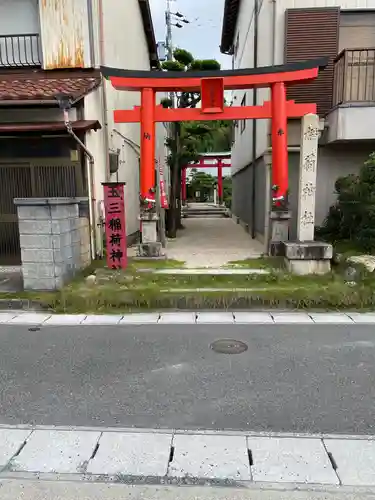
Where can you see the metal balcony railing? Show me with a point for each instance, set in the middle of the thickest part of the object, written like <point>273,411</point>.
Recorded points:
<point>19,51</point>
<point>354,80</point>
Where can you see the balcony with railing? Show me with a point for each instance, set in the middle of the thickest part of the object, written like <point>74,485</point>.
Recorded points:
<point>20,51</point>
<point>354,77</point>
<point>353,108</point>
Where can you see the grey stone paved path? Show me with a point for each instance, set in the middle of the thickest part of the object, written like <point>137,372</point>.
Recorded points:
<point>293,377</point>
<point>212,242</point>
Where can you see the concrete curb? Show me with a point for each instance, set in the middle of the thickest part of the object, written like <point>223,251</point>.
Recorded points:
<point>14,489</point>
<point>272,318</point>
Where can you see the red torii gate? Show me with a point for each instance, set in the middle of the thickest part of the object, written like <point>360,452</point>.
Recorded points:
<point>211,85</point>
<point>219,157</point>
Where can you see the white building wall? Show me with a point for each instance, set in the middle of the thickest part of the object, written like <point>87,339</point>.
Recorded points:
<point>125,46</point>
<point>334,161</point>
<point>19,17</point>
<point>271,29</point>
<point>242,150</point>
<point>266,57</point>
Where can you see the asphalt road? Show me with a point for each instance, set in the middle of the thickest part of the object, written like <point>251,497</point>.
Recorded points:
<point>292,378</point>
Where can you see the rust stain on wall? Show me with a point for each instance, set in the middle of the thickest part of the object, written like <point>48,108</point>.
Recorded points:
<point>64,28</point>
<point>64,59</point>
<point>54,4</point>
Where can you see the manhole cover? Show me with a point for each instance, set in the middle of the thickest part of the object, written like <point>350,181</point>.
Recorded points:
<point>228,346</point>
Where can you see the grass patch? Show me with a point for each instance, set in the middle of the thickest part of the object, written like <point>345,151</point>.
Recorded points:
<point>260,263</point>
<point>131,280</point>
<point>334,296</point>
<point>286,292</point>
<point>120,292</point>
<point>135,264</point>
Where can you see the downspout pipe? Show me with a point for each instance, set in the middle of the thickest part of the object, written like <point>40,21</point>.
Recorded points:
<point>90,182</point>
<point>104,89</point>
<point>254,135</point>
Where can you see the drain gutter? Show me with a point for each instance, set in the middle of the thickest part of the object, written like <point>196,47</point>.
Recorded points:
<point>90,181</point>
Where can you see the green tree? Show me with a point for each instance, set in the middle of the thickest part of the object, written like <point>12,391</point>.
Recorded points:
<point>202,183</point>
<point>227,191</point>
<point>186,139</point>
<point>219,138</point>
<point>352,217</point>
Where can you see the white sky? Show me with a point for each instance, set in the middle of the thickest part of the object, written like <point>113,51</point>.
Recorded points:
<point>203,35</point>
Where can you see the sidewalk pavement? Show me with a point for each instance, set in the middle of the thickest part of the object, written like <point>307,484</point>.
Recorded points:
<point>162,457</point>
<point>187,318</point>
<point>39,463</point>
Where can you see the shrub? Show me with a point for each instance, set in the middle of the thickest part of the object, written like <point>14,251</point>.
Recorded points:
<point>352,217</point>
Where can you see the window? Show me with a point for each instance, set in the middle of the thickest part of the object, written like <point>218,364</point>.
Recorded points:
<point>243,122</point>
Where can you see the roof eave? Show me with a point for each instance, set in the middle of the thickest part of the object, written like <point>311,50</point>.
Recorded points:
<point>231,11</point>
<point>57,126</point>
<point>148,26</point>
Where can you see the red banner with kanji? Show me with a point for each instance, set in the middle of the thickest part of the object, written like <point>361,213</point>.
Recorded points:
<point>115,229</point>
<point>163,193</point>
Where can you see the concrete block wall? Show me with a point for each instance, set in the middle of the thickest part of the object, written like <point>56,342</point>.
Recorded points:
<point>53,241</point>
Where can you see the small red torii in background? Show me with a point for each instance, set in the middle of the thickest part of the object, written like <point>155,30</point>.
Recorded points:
<point>211,85</point>
<point>220,164</point>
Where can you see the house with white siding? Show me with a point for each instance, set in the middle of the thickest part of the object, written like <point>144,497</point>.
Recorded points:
<point>50,55</point>
<point>260,33</point>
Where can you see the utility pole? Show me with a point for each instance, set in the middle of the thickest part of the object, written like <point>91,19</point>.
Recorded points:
<point>168,40</point>
<point>178,20</point>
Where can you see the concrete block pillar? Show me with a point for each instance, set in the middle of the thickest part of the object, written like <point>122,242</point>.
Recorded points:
<point>84,233</point>
<point>50,241</point>
<point>306,256</point>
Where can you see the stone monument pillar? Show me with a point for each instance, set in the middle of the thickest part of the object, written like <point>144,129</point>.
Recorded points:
<point>306,256</point>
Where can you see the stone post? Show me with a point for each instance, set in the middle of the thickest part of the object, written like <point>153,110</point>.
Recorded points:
<point>279,231</point>
<point>50,239</point>
<point>306,256</point>
<point>149,247</point>
<point>277,220</point>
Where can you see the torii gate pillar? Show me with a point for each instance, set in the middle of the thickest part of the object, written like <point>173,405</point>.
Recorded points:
<point>211,85</point>
<point>279,129</point>
<point>147,170</point>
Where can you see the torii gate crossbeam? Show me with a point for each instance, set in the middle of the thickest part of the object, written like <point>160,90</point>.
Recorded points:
<point>220,164</point>
<point>211,85</point>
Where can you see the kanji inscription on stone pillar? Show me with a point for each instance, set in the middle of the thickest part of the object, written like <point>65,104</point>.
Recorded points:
<point>307,177</point>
